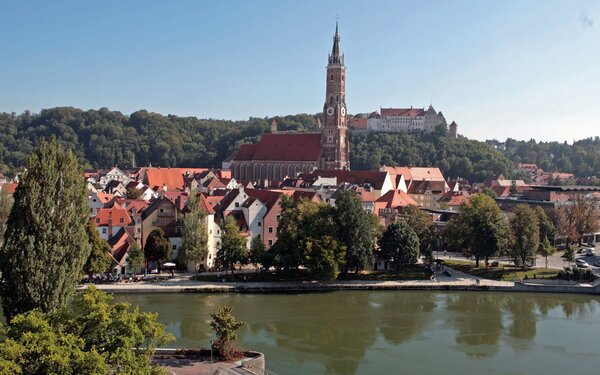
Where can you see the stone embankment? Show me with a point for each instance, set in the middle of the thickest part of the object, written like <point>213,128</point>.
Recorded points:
<point>455,283</point>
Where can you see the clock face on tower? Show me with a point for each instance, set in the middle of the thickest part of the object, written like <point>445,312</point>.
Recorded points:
<point>343,111</point>
<point>330,111</point>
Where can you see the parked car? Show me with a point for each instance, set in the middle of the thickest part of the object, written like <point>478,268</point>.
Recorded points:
<point>590,252</point>
<point>597,263</point>
<point>581,263</point>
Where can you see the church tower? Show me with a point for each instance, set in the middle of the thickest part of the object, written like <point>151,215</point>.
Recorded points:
<point>334,133</point>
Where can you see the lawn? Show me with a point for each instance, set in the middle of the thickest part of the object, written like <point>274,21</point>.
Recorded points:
<point>502,272</point>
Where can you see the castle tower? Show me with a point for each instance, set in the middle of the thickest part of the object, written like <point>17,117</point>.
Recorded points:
<point>334,140</point>
<point>453,131</point>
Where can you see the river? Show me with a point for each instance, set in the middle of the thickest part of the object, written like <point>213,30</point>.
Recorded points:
<point>398,332</point>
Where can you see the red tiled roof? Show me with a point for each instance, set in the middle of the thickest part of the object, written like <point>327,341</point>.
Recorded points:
<point>172,178</point>
<point>409,112</point>
<point>246,152</point>
<point>9,187</point>
<point>115,214</point>
<point>426,174</point>
<point>394,199</point>
<point>120,244</point>
<point>132,204</point>
<point>268,197</point>
<point>455,198</point>
<point>420,187</point>
<point>283,147</point>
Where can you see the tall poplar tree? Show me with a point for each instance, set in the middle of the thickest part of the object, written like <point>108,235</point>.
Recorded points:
<point>194,235</point>
<point>233,246</point>
<point>46,243</point>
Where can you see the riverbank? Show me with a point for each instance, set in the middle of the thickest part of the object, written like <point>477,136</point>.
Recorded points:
<point>456,282</point>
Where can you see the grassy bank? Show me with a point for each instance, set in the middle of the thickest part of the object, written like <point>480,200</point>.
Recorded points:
<point>502,272</point>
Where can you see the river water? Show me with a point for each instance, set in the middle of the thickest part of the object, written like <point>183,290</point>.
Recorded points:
<point>398,332</point>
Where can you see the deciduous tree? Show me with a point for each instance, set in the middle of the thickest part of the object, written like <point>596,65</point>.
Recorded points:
<point>225,327</point>
<point>357,230</point>
<point>233,246</point>
<point>158,248</point>
<point>99,260</point>
<point>46,244</point>
<point>525,234</point>
<point>194,235</point>
<point>135,257</point>
<point>400,244</point>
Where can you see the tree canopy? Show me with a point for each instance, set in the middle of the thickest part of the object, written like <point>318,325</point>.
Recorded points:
<point>93,336</point>
<point>400,244</point>
<point>233,245</point>
<point>194,235</point>
<point>46,243</point>
<point>158,248</point>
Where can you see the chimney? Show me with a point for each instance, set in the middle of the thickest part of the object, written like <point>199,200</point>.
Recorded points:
<point>273,126</point>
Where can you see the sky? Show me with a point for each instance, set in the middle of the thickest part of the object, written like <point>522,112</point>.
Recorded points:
<point>513,68</point>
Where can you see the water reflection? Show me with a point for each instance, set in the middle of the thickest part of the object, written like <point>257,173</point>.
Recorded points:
<point>362,332</point>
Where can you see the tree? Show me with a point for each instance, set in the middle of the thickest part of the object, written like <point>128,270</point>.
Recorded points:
<point>233,246</point>
<point>99,260</point>
<point>580,218</point>
<point>400,244</point>
<point>5,206</point>
<point>547,229</point>
<point>194,235</point>
<point>423,226</point>
<point>525,234</point>
<point>133,193</point>
<point>546,249</point>
<point>46,244</point>
<point>257,251</point>
<point>479,230</point>
<point>135,257</point>
<point>158,248</point>
<point>357,230</point>
<point>287,253</point>
<point>225,327</point>
<point>93,336</point>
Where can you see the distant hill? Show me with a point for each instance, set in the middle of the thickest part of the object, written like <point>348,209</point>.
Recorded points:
<point>103,138</point>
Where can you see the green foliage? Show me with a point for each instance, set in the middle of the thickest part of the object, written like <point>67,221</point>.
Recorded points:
<point>576,274</point>
<point>158,248</point>
<point>582,158</point>
<point>423,226</point>
<point>5,206</point>
<point>46,243</point>
<point>459,157</point>
<point>579,218</point>
<point>135,257</point>
<point>225,327</point>
<point>233,246</point>
<point>307,236</point>
<point>547,229</point>
<point>400,244</point>
<point>357,230</point>
<point>94,336</point>
<point>569,254</point>
<point>103,138</point>
<point>257,251</point>
<point>98,261</point>
<point>479,230</point>
<point>194,235</point>
<point>546,249</point>
<point>133,193</point>
<point>525,234</point>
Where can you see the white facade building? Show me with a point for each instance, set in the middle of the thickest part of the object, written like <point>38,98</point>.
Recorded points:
<point>396,120</point>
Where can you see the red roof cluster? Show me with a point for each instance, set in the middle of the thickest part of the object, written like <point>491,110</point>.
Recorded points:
<point>407,112</point>
<point>283,147</point>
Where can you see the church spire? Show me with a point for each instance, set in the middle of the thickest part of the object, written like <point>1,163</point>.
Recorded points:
<point>336,57</point>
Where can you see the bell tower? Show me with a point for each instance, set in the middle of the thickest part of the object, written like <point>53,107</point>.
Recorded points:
<point>334,134</point>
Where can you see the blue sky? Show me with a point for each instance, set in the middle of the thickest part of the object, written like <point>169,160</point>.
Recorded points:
<point>520,69</point>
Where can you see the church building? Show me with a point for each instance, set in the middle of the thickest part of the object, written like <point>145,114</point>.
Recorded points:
<point>280,155</point>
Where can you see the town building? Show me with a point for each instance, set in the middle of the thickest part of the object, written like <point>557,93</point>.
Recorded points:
<point>280,155</point>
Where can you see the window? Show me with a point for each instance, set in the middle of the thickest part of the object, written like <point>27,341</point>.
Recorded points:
<point>237,204</point>
<point>277,217</point>
<point>270,229</point>
<point>270,242</point>
<point>104,230</point>
<point>95,200</point>
<point>162,210</point>
<point>258,236</point>
<point>122,220</point>
<point>91,210</point>
<point>174,247</point>
<point>331,78</point>
<point>259,224</point>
